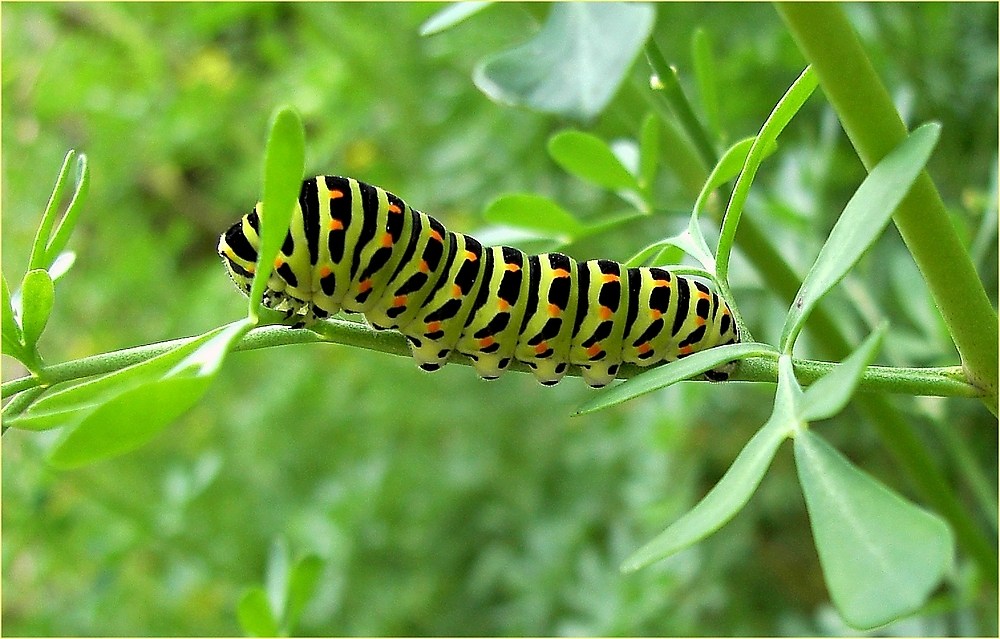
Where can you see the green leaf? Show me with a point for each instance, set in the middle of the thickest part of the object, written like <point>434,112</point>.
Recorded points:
<point>133,417</point>
<point>724,500</point>
<point>10,332</point>
<point>591,159</point>
<point>301,587</point>
<point>830,393</point>
<point>728,167</point>
<point>37,298</point>
<point>255,614</point>
<point>450,16</point>
<point>881,555</point>
<point>127,421</point>
<point>704,69</point>
<point>60,238</point>
<point>38,247</point>
<point>865,216</point>
<point>535,213</point>
<point>649,152</point>
<point>276,577</point>
<point>90,392</point>
<point>574,64</point>
<point>284,165</point>
<point>783,112</point>
<point>671,373</point>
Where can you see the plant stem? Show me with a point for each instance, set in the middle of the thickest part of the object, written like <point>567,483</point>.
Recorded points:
<point>896,433</point>
<point>870,120</point>
<point>942,382</point>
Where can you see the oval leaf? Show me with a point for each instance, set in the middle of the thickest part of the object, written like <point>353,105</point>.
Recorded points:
<point>37,297</point>
<point>133,417</point>
<point>255,614</point>
<point>574,64</point>
<point>589,158</point>
<point>881,555</point>
<point>533,212</point>
<point>301,587</point>
<point>865,216</point>
<point>127,421</point>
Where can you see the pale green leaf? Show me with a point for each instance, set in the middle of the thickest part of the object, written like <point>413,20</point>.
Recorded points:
<point>574,64</point>
<point>865,216</point>
<point>671,373</point>
<point>450,16</point>
<point>724,500</point>
<point>830,393</point>
<point>881,555</point>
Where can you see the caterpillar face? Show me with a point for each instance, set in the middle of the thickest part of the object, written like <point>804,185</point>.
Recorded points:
<point>355,247</point>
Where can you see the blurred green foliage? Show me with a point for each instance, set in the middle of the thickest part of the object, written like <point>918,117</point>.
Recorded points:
<point>440,504</point>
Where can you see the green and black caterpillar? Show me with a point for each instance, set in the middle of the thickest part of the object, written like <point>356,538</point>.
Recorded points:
<point>356,247</point>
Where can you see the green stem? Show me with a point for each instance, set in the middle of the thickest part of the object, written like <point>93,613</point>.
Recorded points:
<point>896,433</point>
<point>942,382</point>
<point>674,95</point>
<point>866,111</point>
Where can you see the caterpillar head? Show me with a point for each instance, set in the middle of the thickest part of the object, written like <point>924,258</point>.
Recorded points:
<point>238,249</point>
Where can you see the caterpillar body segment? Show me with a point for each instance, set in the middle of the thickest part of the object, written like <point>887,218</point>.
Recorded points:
<point>358,248</point>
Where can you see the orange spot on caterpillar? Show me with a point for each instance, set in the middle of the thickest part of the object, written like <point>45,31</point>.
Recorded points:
<point>685,350</point>
<point>395,209</point>
<point>607,278</point>
<point>486,342</point>
<point>456,290</point>
<point>594,349</point>
<point>503,304</point>
<point>336,194</point>
<point>336,225</point>
<point>554,310</point>
<point>541,348</point>
<point>278,262</point>
<point>699,321</point>
<point>433,327</point>
<point>513,268</point>
<point>435,235</point>
<point>659,283</point>
<point>470,256</point>
<point>560,272</point>
<point>605,313</point>
<point>644,347</point>
<point>364,285</point>
<point>423,267</point>
<point>399,301</point>
<point>387,240</point>
<point>324,271</point>
<point>655,314</point>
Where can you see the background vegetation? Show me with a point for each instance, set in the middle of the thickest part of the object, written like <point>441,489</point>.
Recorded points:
<point>440,504</point>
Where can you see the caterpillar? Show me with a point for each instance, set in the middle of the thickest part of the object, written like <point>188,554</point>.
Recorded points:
<point>355,247</point>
